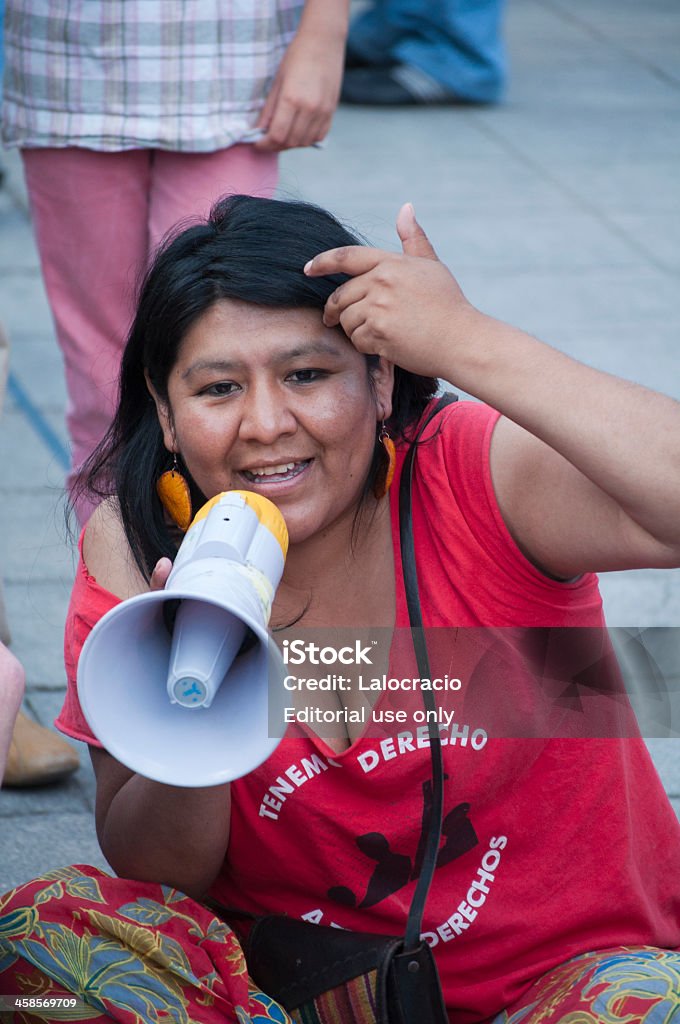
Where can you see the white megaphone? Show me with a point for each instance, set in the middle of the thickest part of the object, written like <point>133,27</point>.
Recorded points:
<point>192,702</point>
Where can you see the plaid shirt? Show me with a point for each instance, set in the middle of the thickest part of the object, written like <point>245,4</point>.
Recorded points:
<point>184,75</point>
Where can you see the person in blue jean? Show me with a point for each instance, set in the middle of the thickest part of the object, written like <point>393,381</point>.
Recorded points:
<point>426,51</point>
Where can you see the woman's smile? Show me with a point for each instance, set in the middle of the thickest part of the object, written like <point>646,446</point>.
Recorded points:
<point>276,473</point>
<point>271,400</point>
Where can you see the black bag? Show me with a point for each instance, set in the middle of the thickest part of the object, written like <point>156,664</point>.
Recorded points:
<point>324,975</point>
<point>334,976</point>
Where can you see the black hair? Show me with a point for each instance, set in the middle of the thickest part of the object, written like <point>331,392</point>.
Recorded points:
<point>250,249</point>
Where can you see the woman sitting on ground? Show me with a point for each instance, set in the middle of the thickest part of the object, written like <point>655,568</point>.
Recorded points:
<point>558,879</point>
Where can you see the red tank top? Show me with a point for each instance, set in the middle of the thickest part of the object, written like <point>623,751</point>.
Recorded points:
<point>551,846</point>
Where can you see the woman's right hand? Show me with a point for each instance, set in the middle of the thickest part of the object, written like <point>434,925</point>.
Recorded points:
<point>179,835</point>
<point>159,576</point>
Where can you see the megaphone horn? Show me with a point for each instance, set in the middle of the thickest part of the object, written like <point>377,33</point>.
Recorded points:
<point>181,684</point>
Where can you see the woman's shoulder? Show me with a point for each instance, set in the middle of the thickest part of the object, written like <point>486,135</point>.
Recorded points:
<point>453,444</point>
<point>106,553</point>
<point>457,434</point>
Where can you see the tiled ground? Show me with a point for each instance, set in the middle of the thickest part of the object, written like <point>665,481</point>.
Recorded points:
<point>559,210</point>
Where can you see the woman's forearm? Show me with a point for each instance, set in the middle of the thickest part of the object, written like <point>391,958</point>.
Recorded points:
<point>176,836</point>
<point>621,436</point>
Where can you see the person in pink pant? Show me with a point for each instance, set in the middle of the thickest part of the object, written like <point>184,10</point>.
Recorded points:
<point>134,116</point>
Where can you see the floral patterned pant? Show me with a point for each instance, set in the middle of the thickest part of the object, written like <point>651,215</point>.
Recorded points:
<point>131,951</point>
<point>638,985</point>
<point>140,953</point>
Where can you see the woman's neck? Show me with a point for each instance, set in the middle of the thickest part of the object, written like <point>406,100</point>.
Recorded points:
<point>336,576</point>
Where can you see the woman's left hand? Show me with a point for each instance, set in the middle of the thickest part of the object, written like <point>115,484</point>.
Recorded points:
<point>585,467</point>
<point>407,308</point>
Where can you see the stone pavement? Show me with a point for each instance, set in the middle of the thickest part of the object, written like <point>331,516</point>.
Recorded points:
<point>558,211</point>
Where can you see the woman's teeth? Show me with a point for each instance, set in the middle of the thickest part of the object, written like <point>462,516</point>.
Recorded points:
<point>273,470</point>
<point>284,469</point>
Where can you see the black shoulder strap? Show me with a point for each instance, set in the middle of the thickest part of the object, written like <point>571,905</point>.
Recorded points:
<point>409,569</point>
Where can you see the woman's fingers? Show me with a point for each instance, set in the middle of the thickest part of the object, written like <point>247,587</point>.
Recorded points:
<point>348,259</point>
<point>414,241</point>
<point>359,259</point>
<point>346,295</point>
<point>353,323</point>
<point>159,577</point>
<point>405,307</point>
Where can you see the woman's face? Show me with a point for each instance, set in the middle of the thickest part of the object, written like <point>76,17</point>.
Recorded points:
<point>270,400</point>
